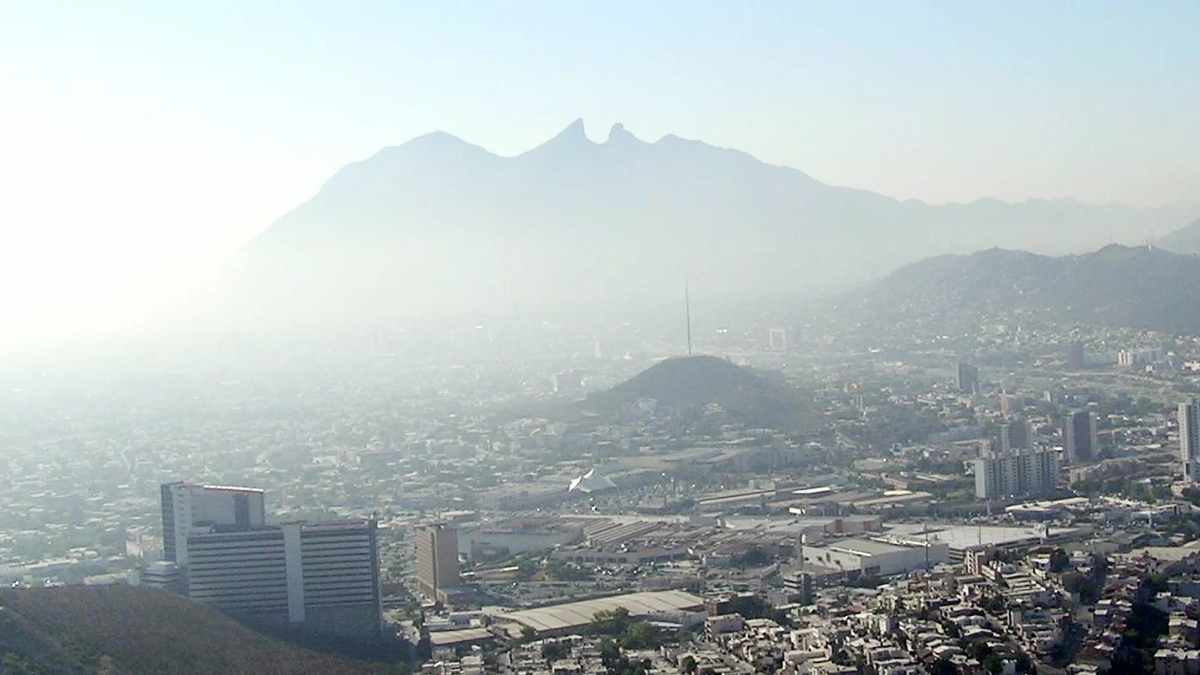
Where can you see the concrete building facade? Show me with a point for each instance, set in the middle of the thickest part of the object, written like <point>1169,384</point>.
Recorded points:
<point>186,506</point>
<point>1189,439</point>
<point>316,577</point>
<point>320,577</point>
<point>1079,437</point>
<point>437,558</point>
<point>1016,473</point>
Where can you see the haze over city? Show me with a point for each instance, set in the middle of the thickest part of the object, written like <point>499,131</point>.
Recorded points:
<point>568,339</point>
<point>130,179</point>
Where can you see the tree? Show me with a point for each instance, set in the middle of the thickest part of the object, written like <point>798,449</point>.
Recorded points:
<point>979,651</point>
<point>528,634</point>
<point>1059,561</point>
<point>612,622</point>
<point>526,568</point>
<point>553,651</point>
<point>943,666</point>
<point>688,666</point>
<point>639,635</point>
<point>610,653</point>
<point>424,650</point>
<point>995,604</point>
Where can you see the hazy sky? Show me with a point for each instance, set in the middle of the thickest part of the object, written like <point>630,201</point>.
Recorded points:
<point>138,145</point>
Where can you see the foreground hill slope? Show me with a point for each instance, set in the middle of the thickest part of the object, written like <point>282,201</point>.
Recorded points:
<point>123,630</point>
<point>1139,287</point>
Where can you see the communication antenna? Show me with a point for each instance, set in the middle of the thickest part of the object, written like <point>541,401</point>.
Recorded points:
<point>926,532</point>
<point>687,308</point>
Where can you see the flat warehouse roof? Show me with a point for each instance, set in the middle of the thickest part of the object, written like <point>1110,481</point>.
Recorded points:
<point>572,614</point>
<point>864,546</point>
<point>969,536</point>
<point>453,637</point>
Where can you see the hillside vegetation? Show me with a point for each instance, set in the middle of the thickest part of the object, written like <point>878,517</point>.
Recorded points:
<point>686,385</point>
<point>120,630</point>
<point>1136,287</point>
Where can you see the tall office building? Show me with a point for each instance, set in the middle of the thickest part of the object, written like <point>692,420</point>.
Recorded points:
<point>1189,439</point>
<point>437,558</point>
<point>162,575</point>
<point>1016,473</point>
<point>319,577</point>
<point>1079,437</point>
<point>323,577</point>
<point>186,506</point>
<point>967,378</point>
<point>1015,433</point>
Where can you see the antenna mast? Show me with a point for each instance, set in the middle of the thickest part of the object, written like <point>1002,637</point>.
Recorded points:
<point>687,308</point>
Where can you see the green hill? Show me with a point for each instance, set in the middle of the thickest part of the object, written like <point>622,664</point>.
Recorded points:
<point>1137,287</point>
<point>121,630</point>
<point>686,385</point>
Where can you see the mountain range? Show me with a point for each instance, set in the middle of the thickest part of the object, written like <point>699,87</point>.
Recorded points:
<point>439,226</point>
<point>1184,240</point>
<point>1141,287</point>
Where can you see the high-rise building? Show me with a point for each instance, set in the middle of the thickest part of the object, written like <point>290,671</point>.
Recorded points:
<point>1011,404</point>
<point>967,378</point>
<point>162,575</point>
<point>1076,356</point>
<point>1189,439</point>
<point>777,339</point>
<point>1079,437</point>
<point>1016,473</point>
<point>437,558</point>
<point>1139,358</point>
<point>320,577</point>
<point>1015,433</point>
<point>186,506</point>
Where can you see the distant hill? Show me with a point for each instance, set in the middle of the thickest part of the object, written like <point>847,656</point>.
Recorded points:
<point>121,630</point>
<point>1139,287</point>
<point>685,385</point>
<point>439,226</point>
<point>1184,240</point>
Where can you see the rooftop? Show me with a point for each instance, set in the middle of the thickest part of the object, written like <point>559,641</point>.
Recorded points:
<point>576,614</point>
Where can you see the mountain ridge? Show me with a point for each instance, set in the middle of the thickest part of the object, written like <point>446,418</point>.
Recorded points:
<point>1184,240</point>
<point>438,224</point>
<point>1141,287</point>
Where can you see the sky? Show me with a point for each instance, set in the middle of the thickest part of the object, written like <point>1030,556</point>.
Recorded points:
<point>142,143</point>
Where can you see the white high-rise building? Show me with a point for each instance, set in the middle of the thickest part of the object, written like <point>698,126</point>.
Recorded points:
<point>323,577</point>
<point>186,506</point>
<point>1016,473</point>
<point>1189,439</point>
